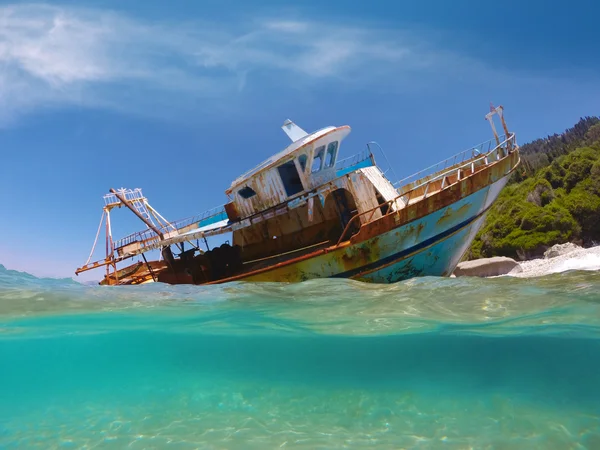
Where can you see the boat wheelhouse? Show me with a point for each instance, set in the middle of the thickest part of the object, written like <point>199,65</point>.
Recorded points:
<point>304,213</point>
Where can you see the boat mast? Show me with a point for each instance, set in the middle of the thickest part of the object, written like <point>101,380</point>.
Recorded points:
<point>136,202</point>
<point>490,118</point>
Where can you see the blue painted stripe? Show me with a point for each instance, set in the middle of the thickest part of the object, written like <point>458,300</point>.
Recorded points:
<point>360,165</point>
<point>403,253</point>
<point>213,219</point>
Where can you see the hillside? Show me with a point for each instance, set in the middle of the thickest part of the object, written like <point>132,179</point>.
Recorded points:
<point>553,198</point>
<point>541,152</point>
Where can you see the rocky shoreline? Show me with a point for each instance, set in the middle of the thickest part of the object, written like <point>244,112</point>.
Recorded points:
<point>558,258</point>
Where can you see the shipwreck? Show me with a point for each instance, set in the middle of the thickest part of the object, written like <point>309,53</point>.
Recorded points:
<point>304,213</point>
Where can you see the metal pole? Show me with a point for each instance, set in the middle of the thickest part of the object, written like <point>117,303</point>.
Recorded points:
<point>107,268</point>
<point>149,268</point>
<point>157,215</point>
<point>116,274</point>
<point>501,114</point>
<point>112,245</point>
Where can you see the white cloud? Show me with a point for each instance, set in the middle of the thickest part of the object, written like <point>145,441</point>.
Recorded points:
<point>53,56</point>
<point>289,26</point>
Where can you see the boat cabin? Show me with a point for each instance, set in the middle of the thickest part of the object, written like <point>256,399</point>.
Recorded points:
<point>303,166</point>
<point>297,199</point>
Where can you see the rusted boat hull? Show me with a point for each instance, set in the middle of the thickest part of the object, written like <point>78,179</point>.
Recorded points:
<point>324,220</point>
<point>395,247</point>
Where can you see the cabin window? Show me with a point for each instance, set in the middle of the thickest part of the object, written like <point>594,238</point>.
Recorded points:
<point>246,192</point>
<point>290,178</point>
<point>302,160</point>
<point>318,159</point>
<point>331,153</point>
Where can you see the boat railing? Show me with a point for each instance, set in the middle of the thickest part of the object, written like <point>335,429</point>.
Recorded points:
<point>131,195</point>
<point>198,218</point>
<point>148,236</point>
<point>447,177</point>
<point>353,160</point>
<point>480,159</point>
<point>484,148</point>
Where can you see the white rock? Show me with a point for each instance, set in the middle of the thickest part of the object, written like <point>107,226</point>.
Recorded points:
<point>487,267</point>
<point>560,249</point>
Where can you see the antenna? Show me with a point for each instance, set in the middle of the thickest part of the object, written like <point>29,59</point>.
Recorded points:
<point>293,131</point>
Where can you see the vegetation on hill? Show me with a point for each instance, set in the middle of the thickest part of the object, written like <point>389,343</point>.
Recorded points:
<point>541,152</point>
<point>554,197</point>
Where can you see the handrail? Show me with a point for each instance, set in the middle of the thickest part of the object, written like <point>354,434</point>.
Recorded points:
<point>349,161</point>
<point>390,167</point>
<point>457,158</point>
<point>455,169</point>
<point>131,195</point>
<point>147,235</point>
<point>509,142</point>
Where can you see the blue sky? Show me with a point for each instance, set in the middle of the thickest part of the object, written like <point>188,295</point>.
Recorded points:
<point>179,98</point>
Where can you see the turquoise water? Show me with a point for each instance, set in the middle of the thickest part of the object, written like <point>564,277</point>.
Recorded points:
<point>434,363</point>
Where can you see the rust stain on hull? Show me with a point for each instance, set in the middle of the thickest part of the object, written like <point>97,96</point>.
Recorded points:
<point>451,215</point>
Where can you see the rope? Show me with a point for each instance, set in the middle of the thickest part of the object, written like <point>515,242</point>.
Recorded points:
<point>96,240</point>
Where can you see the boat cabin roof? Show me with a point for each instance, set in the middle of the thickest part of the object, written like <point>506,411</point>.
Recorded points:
<point>300,140</point>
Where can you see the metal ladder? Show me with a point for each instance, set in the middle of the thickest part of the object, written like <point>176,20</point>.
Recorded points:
<point>135,197</point>
<point>140,206</point>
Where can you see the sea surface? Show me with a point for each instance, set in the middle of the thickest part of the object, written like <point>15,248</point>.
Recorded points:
<point>429,363</point>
